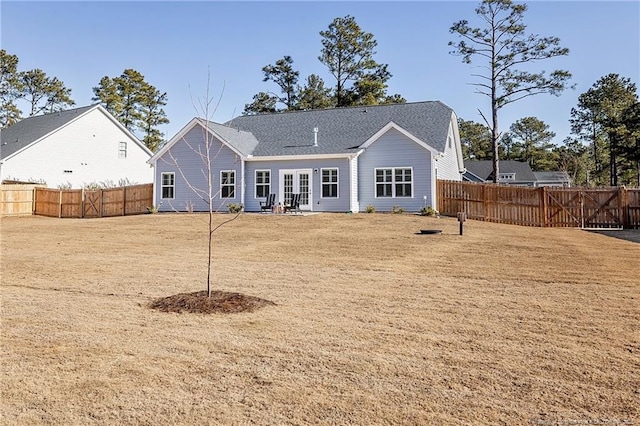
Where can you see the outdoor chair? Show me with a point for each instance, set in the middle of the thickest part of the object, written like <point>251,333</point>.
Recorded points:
<point>267,205</point>
<point>293,205</point>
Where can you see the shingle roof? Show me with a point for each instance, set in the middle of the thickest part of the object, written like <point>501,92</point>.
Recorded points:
<point>243,142</point>
<point>556,176</point>
<point>342,130</point>
<point>29,130</point>
<point>484,169</point>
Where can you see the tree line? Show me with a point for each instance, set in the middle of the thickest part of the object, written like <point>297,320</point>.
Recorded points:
<point>348,54</point>
<point>604,146</point>
<point>133,101</point>
<point>603,149</point>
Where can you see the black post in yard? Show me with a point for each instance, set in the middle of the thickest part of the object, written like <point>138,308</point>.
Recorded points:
<point>461,218</point>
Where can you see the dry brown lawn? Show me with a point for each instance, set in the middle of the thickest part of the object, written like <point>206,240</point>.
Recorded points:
<point>372,324</point>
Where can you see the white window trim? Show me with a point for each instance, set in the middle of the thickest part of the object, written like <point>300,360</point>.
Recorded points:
<point>507,176</point>
<point>122,153</point>
<point>255,182</point>
<point>393,182</point>
<point>337,184</point>
<point>162,185</point>
<point>234,183</point>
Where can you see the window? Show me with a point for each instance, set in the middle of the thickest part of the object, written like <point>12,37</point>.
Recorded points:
<point>329,183</point>
<point>507,176</point>
<point>228,184</point>
<point>263,183</point>
<point>168,185</point>
<point>122,150</point>
<point>394,182</point>
<point>403,183</point>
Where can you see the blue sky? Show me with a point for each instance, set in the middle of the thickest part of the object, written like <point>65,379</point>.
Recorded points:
<point>173,44</point>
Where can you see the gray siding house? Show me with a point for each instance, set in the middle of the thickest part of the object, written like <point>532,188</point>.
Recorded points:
<point>338,160</point>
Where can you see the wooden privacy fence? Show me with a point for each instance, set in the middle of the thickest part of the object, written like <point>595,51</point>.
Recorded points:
<point>544,206</point>
<point>17,199</point>
<point>81,203</point>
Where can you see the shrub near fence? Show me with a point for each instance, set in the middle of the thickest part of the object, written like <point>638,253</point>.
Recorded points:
<point>544,206</point>
<point>79,203</point>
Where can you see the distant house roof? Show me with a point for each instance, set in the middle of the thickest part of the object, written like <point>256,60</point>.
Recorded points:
<point>29,130</point>
<point>26,131</point>
<point>483,169</point>
<point>342,130</point>
<point>557,178</point>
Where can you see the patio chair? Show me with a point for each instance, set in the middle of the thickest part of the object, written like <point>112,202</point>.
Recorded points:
<point>294,204</point>
<point>267,205</point>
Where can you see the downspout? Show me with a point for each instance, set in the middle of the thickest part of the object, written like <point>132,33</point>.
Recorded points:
<point>434,177</point>
<point>242,183</point>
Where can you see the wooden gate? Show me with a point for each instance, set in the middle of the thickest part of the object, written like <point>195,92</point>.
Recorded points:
<point>585,208</point>
<point>602,209</point>
<point>92,204</point>
<point>555,207</point>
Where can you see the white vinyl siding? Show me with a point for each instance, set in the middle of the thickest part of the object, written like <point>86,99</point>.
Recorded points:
<point>79,153</point>
<point>168,185</point>
<point>329,183</point>
<point>263,183</point>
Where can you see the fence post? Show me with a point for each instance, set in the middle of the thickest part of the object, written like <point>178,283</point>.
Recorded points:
<point>124,201</point>
<point>623,196</point>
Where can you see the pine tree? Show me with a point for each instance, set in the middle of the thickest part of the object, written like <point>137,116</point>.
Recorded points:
<point>504,49</point>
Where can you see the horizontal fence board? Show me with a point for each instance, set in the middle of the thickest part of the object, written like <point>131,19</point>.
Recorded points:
<point>544,206</point>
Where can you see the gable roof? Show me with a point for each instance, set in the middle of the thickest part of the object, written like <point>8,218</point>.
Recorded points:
<point>29,130</point>
<point>241,141</point>
<point>484,169</point>
<point>343,130</point>
<point>26,131</point>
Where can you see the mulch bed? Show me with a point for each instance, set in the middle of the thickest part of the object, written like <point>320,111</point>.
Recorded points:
<point>220,302</point>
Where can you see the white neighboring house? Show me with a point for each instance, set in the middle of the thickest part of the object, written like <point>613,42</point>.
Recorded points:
<point>77,147</point>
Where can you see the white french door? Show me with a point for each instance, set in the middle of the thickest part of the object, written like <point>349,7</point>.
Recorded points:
<point>296,181</point>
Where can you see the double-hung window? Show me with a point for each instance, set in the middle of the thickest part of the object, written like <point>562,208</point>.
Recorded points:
<point>263,183</point>
<point>228,184</point>
<point>394,182</point>
<point>329,183</point>
<point>168,185</point>
<point>403,182</point>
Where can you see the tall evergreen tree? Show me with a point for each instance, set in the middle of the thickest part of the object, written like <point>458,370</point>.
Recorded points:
<point>283,74</point>
<point>262,103</point>
<point>506,51</point>
<point>630,146</point>
<point>532,143</point>
<point>475,139</point>
<point>598,118</point>
<point>153,115</point>
<point>313,95</point>
<point>348,54</point>
<point>135,103</point>
<point>10,89</point>
<point>44,94</point>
